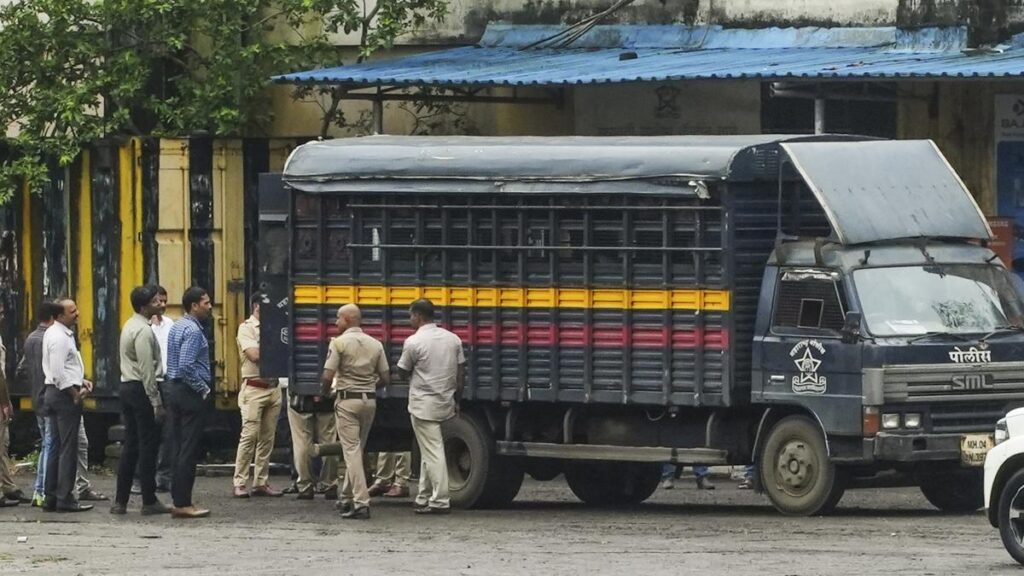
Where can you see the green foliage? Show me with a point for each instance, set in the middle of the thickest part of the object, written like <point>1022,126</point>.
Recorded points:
<point>76,71</point>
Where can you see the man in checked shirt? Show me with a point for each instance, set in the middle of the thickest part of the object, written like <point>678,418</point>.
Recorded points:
<point>188,386</point>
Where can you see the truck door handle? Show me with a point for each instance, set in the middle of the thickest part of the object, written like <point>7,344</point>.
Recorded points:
<point>777,378</point>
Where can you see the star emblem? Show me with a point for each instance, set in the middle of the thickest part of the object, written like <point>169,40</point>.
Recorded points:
<point>808,365</point>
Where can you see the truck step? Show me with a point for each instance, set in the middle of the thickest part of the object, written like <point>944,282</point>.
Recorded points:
<point>615,453</point>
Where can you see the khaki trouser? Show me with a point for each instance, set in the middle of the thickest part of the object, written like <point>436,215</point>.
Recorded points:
<point>433,490</point>
<point>7,485</point>
<point>354,417</point>
<point>308,429</point>
<point>259,409</point>
<point>394,467</point>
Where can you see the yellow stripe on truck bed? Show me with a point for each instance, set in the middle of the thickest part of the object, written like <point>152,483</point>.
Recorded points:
<point>506,297</point>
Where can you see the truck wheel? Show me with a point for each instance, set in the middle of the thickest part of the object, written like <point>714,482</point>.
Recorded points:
<point>795,469</point>
<point>961,491</point>
<point>1010,516</point>
<point>612,483</point>
<point>477,476</point>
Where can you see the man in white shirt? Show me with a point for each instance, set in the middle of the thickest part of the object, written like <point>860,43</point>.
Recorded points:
<point>161,325</point>
<point>435,364</point>
<point>66,388</point>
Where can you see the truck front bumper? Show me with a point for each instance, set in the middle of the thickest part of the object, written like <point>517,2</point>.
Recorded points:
<point>886,447</point>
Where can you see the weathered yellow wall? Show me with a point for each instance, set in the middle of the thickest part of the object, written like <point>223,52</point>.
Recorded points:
<point>173,251</point>
<point>229,261</point>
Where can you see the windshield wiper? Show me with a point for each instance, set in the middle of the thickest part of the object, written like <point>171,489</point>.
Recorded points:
<point>935,334</point>
<point>1000,330</point>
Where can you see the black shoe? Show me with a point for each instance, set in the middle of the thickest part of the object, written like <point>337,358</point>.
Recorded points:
<point>19,497</point>
<point>74,507</point>
<point>291,489</point>
<point>343,507</point>
<point>360,513</point>
<point>331,493</point>
<point>92,495</point>
<point>119,509</point>
<point>155,508</point>
<point>432,510</point>
<point>49,505</point>
<point>8,503</point>
<point>306,494</point>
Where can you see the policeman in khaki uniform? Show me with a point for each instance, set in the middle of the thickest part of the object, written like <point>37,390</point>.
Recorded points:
<point>259,401</point>
<point>356,366</point>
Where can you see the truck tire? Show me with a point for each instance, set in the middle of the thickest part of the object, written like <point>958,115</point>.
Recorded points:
<point>1010,515</point>
<point>612,483</point>
<point>477,476</point>
<point>960,491</point>
<point>795,469</point>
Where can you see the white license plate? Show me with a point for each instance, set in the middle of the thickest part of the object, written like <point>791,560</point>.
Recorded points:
<point>974,447</point>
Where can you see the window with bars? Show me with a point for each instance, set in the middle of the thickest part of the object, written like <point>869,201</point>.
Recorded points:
<point>808,300</point>
<point>610,239</point>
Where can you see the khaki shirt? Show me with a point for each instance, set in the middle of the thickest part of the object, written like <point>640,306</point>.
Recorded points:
<point>432,355</point>
<point>140,356</point>
<point>358,361</point>
<point>249,337</point>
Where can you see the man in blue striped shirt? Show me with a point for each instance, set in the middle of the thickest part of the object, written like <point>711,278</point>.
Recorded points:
<point>187,386</point>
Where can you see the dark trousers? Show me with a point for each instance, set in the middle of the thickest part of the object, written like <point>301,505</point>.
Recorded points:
<point>140,444</point>
<point>165,452</point>
<point>165,456</point>
<point>62,461</point>
<point>187,411</point>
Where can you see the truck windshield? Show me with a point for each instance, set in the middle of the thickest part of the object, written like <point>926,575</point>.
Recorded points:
<point>953,299</point>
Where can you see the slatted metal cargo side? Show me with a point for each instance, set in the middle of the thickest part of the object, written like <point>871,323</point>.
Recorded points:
<point>607,298</point>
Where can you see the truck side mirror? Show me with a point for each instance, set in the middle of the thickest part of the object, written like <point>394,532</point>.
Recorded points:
<point>851,327</point>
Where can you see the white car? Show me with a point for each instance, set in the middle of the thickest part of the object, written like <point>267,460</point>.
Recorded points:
<point>1004,483</point>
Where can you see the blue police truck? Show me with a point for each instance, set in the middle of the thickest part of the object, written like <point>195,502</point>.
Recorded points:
<point>824,307</point>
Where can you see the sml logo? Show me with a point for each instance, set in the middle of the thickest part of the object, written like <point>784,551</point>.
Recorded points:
<point>809,381</point>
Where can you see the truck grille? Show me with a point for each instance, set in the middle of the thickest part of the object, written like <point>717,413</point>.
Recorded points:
<point>942,383</point>
<point>966,416</point>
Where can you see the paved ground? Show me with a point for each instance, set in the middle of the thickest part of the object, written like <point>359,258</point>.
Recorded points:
<point>727,531</point>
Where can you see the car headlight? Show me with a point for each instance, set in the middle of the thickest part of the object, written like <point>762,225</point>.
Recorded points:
<point>890,421</point>
<point>1002,434</point>
<point>912,420</point>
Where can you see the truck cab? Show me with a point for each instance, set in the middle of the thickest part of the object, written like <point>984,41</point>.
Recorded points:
<point>900,332</point>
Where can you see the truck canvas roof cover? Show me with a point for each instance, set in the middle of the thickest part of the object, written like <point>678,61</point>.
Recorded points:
<point>327,165</point>
<point>886,190</point>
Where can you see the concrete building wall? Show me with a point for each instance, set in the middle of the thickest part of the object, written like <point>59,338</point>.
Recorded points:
<point>990,20</point>
<point>651,108</point>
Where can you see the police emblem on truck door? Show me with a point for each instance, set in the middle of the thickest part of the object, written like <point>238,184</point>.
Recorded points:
<point>807,356</point>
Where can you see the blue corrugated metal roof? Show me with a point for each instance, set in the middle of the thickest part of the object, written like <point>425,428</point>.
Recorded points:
<point>610,54</point>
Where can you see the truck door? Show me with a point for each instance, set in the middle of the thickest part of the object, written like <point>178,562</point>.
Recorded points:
<point>803,358</point>
<point>274,204</point>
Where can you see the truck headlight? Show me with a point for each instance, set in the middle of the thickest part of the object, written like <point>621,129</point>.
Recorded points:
<point>890,421</point>
<point>1002,434</point>
<point>912,420</point>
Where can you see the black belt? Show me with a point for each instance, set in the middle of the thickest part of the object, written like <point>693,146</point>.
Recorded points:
<point>350,395</point>
<point>261,383</point>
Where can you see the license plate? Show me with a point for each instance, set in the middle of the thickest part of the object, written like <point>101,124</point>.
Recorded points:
<point>974,447</point>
